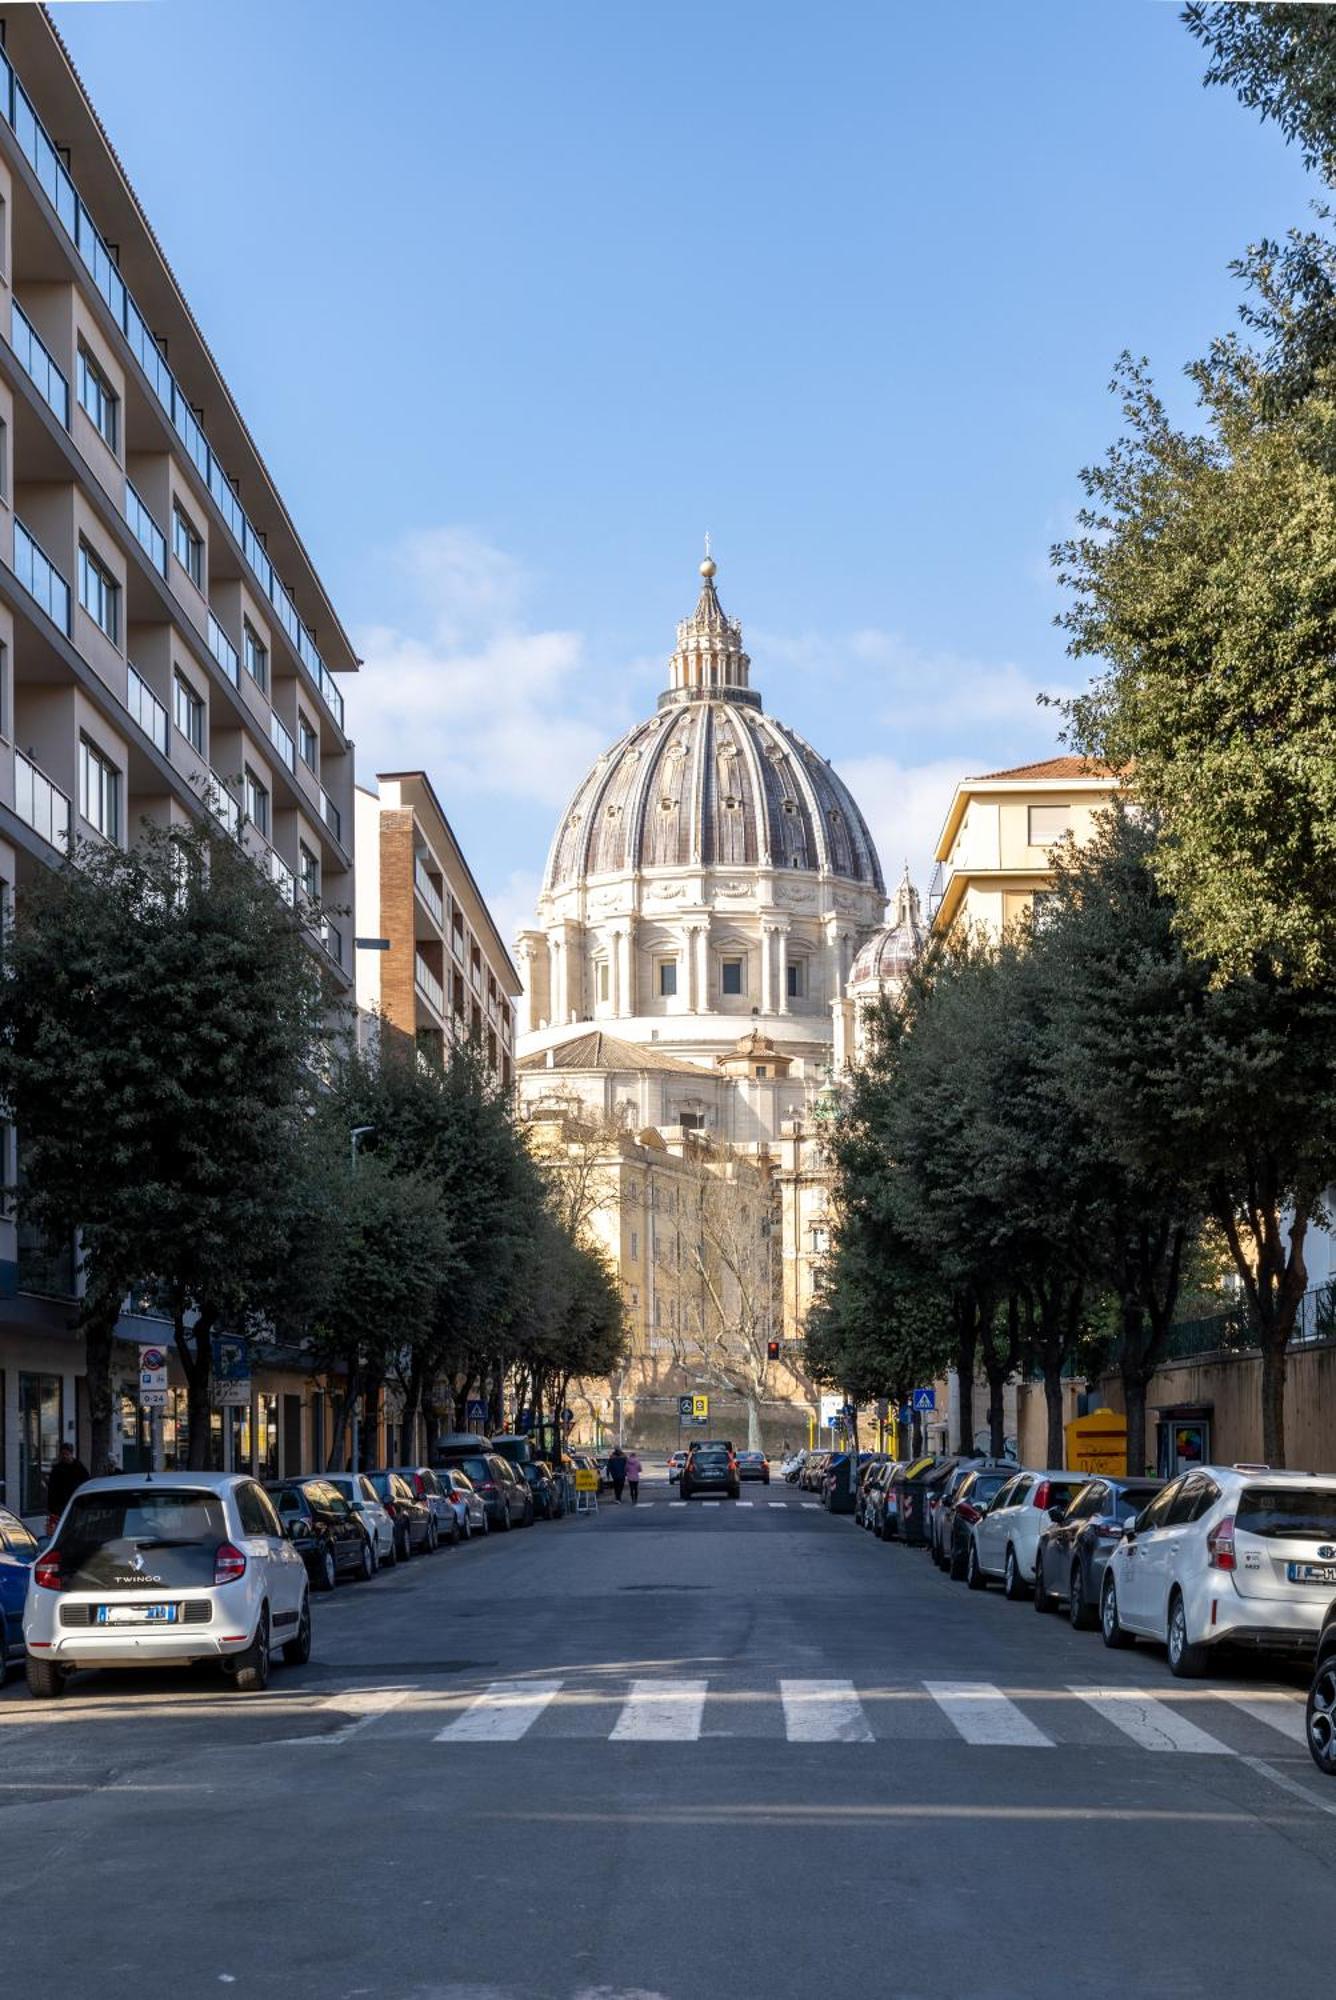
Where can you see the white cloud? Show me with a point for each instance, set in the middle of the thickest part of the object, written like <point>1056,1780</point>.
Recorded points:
<point>905,805</point>
<point>513,904</point>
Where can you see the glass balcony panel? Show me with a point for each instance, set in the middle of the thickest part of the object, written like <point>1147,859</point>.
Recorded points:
<point>40,577</point>
<point>145,529</point>
<point>147,711</point>
<point>38,363</point>
<point>224,651</point>
<point>39,803</point>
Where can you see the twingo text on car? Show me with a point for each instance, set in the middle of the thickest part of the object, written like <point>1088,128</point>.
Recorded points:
<point>325,1529</point>
<point>1225,1555</point>
<point>1004,1539</point>
<point>1077,1541</point>
<point>710,1469</point>
<point>470,1511</point>
<point>965,1506</point>
<point>358,1491</point>
<point>152,1569</point>
<point>19,1549</point>
<point>414,1523</point>
<point>753,1465</point>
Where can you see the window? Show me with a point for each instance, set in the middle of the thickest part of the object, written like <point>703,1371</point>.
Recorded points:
<point>254,1513</point>
<point>4,459</point>
<point>797,980</point>
<point>257,802</point>
<point>604,980</point>
<point>189,712</point>
<point>99,791</point>
<point>1048,824</point>
<point>99,592</point>
<point>256,656</point>
<point>97,398</point>
<point>308,743</point>
<point>308,868</point>
<point>187,546</point>
<point>1157,1513</point>
<point>762,1071</point>
<point>668,978</point>
<point>730,976</point>
<point>635,1245</point>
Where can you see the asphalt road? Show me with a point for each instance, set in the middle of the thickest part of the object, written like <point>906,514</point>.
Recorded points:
<point>675,1750</point>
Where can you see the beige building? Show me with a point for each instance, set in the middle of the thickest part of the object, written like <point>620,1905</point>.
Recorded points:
<point>994,854</point>
<point>166,646</point>
<point>431,962</point>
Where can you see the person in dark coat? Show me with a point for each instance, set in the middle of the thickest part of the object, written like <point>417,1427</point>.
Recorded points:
<point>65,1478</point>
<point>617,1471</point>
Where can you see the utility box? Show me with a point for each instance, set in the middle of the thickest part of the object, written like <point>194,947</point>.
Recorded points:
<point>1097,1443</point>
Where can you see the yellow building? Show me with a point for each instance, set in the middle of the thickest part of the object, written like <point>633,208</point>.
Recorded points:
<point>995,854</point>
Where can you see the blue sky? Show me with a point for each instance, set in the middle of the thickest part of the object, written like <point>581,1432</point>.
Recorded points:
<point>520,298</point>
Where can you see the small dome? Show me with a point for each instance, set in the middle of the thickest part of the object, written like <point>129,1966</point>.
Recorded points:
<point>889,955</point>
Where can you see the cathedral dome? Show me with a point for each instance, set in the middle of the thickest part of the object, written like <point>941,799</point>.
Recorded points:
<point>711,781</point>
<point>888,956</point>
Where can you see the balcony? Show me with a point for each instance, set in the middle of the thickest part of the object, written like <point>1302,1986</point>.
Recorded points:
<point>40,577</point>
<point>331,815</point>
<point>41,804</point>
<point>39,364</point>
<point>147,710</point>
<point>428,984</point>
<point>224,651</point>
<point>283,743</point>
<point>145,530</point>
<point>222,804</point>
<point>936,890</point>
<point>282,877</point>
<point>428,891</point>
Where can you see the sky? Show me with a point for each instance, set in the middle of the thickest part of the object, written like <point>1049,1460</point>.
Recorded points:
<point>520,299</point>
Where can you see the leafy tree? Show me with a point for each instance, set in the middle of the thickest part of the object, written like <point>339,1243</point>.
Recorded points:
<point>1281,60</point>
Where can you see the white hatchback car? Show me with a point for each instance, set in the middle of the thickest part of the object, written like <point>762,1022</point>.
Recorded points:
<point>151,1569</point>
<point>363,1498</point>
<point>1005,1539</point>
<point>1232,1554</point>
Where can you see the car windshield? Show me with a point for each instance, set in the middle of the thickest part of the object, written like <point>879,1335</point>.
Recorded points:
<point>461,1482</point>
<point>148,1517</point>
<point>1298,1513</point>
<point>1131,1499</point>
<point>989,1483</point>
<point>477,1468</point>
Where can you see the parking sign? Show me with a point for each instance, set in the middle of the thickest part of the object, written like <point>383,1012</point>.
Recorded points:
<point>153,1378</point>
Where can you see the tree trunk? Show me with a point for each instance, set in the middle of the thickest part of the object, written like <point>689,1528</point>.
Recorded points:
<point>194,1345</point>
<point>967,1348</point>
<point>99,1333</point>
<point>1275,1374</point>
<point>1056,1447</point>
<point>413,1406</point>
<point>753,1421</point>
<point>1135,1385</point>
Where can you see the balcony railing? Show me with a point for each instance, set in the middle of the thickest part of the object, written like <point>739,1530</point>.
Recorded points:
<point>38,362</point>
<point>936,890</point>
<point>428,891</point>
<point>283,743</point>
<point>428,984</point>
<point>145,530</point>
<point>224,651</point>
<point>282,878</point>
<point>17,109</point>
<point>333,818</point>
<point>40,578</point>
<point>147,710</point>
<point>39,803</point>
<point>221,803</point>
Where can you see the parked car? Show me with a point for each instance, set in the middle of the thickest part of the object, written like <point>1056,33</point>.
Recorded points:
<point>514,1446</point>
<point>869,1475</point>
<point>19,1549</point>
<point>939,1512</point>
<point>192,1566</point>
<point>426,1483</point>
<point>470,1511</point>
<point>813,1467</point>
<point>710,1469</point>
<point>754,1465</point>
<point>793,1465</point>
<point>501,1489</point>
<point>1233,1555</point>
<point>675,1463</point>
<point>877,1496</point>
<point>362,1496</point>
<point>1076,1544</point>
<point>414,1522</point>
<point>325,1529</point>
<point>974,1493</point>
<point>548,1503</point>
<point>1005,1538</point>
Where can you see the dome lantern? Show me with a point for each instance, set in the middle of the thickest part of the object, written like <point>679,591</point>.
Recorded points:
<point>709,663</point>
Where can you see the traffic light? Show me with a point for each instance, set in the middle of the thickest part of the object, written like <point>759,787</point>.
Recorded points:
<point>772,1349</point>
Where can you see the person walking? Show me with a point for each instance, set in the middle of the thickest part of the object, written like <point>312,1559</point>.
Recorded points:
<point>65,1478</point>
<point>633,1475</point>
<point>617,1472</point>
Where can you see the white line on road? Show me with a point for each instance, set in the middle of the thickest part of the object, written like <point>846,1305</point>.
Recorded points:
<point>823,1712</point>
<point>502,1713</point>
<point>811,1506</point>
<point>661,1712</point>
<point>1277,1711</point>
<point>746,1503</point>
<point>983,1714</point>
<point>710,1503</point>
<point>365,1705</point>
<point>782,1505</point>
<point>677,1503</point>
<point>1149,1722</point>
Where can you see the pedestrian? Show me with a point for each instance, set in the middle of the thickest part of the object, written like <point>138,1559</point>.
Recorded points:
<point>66,1476</point>
<point>617,1472</point>
<point>633,1475</point>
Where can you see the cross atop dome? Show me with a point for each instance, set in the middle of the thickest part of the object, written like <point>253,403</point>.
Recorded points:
<point>709,662</point>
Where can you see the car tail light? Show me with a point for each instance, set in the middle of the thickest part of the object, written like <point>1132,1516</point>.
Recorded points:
<point>1220,1545</point>
<point>1041,1493</point>
<point>487,1486</point>
<point>966,1512</point>
<point>389,1508</point>
<point>46,1572</point>
<point>228,1564</point>
<point>418,1487</point>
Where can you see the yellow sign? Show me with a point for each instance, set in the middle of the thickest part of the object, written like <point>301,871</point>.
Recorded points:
<point>700,1406</point>
<point>1097,1443</point>
<point>585,1482</point>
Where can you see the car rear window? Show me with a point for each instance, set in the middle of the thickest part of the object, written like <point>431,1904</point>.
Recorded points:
<point>1059,1492</point>
<point>1301,1513</point>
<point>989,1483</point>
<point>151,1517</point>
<point>476,1468</point>
<point>1131,1499</point>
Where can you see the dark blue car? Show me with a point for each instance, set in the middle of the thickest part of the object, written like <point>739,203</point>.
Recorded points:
<point>18,1546</point>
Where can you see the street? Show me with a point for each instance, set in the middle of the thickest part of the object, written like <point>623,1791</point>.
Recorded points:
<point>619,1757</point>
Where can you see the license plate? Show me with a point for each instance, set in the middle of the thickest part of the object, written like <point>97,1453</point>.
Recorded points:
<point>1311,1573</point>
<point>136,1614</point>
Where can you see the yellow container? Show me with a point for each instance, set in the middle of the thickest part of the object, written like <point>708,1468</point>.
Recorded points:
<point>1097,1443</point>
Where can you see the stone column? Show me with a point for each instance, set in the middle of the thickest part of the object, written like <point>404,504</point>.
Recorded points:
<point>615,971</point>
<point>767,969</point>
<point>782,933</point>
<point>627,941</point>
<point>556,980</point>
<point>703,967</point>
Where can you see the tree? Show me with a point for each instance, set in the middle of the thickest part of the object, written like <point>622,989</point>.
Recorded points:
<point>1281,60</point>
<point>725,1206</point>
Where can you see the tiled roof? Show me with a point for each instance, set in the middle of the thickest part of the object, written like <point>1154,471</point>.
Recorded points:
<point>1054,767</point>
<point>595,1050</point>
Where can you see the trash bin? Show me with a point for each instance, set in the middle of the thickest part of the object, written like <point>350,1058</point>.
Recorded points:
<point>911,1503</point>
<point>841,1486</point>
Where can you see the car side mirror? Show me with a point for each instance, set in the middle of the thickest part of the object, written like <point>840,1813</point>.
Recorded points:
<point>1057,1513</point>
<point>1130,1528</point>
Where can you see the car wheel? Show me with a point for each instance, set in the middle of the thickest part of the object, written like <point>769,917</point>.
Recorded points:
<point>453,1537</point>
<point>367,1563</point>
<point>974,1576</point>
<point>296,1652</point>
<point>1321,1716</point>
<point>1080,1613</point>
<point>432,1537</point>
<point>250,1669</point>
<point>955,1568</point>
<point>405,1543</point>
<point>45,1679</point>
<point>374,1547</point>
<point>1042,1599</point>
<point>467,1529</point>
<point>326,1574</point>
<point>1111,1630</point>
<point>503,1518</point>
<point>1186,1661</point>
<point>1013,1582</point>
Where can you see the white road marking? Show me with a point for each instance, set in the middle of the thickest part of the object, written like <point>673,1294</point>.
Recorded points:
<point>502,1713</point>
<point>661,1712</point>
<point>1149,1722</point>
<point>983,1714</point>
<point>1277,1711</point>
<point>677,1503</point>
<point>364,1705</point>
<point>823,1712</point>
<point>746,1503</point>
<point>811,1506</point>
<point>1290,1785</point>
<point>782,1505</point>
<point>710,1503</point>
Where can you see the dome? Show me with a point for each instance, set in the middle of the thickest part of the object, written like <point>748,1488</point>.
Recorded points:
<point>888,956</point>
<point>711,781</point>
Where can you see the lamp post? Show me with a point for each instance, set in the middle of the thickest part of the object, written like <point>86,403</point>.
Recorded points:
<point>355,1138</point>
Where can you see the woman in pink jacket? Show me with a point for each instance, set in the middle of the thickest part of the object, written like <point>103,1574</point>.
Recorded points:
<point>633,1475</point>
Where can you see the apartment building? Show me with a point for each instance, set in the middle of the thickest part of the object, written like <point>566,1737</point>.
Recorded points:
<point>432,963</point>
<point>994,855</point>
<point>166,646</point>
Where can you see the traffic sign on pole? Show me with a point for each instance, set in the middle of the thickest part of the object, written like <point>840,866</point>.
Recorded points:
<point>700,1408</point>
<point>686,1406</point>
<point>925,1399</point>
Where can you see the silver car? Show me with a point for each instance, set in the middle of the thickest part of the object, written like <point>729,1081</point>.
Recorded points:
<point>470,1509</point>
<point>363,1498</point>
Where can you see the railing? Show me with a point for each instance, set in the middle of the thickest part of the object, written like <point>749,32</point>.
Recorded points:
<point>1234,1331</point>
<point>147,710</point>
<point>40,578</point>
<point>38,362</point>
<point>17,109</point>
<point>221,803</point>
<point>145,530</point>
<point>428,891</point>
<point>224,651</point>
<point>333,818</point>
<point>332,939</point>
<point>427,983</point>
<point>282,877</point>
<point>39,803</point>
<point>936,889</point>
<point>283,743</point>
